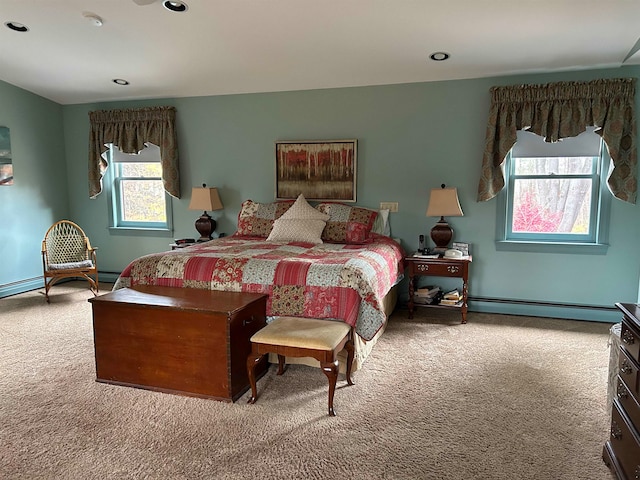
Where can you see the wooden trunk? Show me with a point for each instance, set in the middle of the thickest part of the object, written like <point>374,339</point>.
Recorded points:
<point>177,340</point>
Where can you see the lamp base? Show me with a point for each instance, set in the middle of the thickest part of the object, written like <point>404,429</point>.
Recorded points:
<point>441,234</point>
<point>205,225</point>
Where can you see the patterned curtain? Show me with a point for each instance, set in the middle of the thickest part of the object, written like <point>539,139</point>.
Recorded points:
<point>560,110</point>
<point>129,129</point>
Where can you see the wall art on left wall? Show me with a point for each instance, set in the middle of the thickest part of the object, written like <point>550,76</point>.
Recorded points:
<point>6,165</point>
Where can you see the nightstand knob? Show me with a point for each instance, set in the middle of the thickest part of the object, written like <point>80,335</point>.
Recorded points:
<point>453,269</point>
<point>423,268</point>
<point>627,337</point>
<point>625,369</point>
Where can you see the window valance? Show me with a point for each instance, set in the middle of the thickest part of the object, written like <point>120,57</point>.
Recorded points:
<point>561,110</point>
<point>129,129</point>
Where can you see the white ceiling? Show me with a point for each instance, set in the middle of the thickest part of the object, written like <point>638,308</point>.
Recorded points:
<point>223,47</point>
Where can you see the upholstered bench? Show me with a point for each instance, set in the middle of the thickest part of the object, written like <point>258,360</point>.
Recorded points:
<point>302,337</point>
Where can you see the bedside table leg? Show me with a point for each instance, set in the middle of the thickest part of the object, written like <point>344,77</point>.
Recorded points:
<point>411,291</point>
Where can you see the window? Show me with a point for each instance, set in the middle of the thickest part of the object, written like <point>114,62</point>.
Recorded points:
<point>555,197</point>
<point>138,198</point>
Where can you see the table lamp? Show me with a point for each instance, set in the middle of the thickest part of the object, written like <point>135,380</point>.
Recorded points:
<point>443,202</point>
<point>205,198</point>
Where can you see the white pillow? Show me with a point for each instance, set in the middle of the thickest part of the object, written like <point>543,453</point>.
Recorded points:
<point>302,209</point>
<point>297,230</point>
<point>381,224</point>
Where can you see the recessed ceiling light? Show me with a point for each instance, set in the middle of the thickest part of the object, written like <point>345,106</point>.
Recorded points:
<point>18,27</point>
<point>439,56</point>
<point>120,81</point>
<point>175,6</point>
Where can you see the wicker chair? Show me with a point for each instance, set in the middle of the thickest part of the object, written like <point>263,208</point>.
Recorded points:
<point>67,253</point>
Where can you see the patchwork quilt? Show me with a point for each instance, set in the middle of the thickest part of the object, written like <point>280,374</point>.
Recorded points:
<point>333,281</point>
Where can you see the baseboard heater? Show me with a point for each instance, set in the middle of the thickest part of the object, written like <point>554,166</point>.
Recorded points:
<point>574,311</point>
<point>28,284</point>
<point>21,286</point>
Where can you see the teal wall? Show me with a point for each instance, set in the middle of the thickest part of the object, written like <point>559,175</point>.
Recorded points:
<point>411,138</point>
<point>39,195</point>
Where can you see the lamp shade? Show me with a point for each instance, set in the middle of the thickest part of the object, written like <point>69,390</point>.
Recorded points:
<point>443,202</point>
<point>205,198</point>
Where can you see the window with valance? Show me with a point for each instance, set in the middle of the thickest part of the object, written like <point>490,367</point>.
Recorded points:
<point>561,110</point>
<point>129,130</point>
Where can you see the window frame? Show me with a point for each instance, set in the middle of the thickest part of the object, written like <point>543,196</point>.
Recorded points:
<point>114,178</point>
<point>596,242</point>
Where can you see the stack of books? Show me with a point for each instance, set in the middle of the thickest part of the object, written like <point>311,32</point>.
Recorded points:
<point>427,295</point>
<point>451,298</point>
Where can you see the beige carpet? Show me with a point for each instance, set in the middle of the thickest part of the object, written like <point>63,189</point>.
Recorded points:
<point>499,398</point>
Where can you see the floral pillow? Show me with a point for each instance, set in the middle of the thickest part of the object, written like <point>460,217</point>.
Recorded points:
<point>347,224</point>
<point>256,219</point>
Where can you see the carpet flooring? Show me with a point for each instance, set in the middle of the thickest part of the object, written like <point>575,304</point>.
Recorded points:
<point>502,397</point>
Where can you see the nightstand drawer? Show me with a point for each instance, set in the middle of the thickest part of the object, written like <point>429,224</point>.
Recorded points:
<point>630,340</point>
<point>628,371</point>
<point>440,269</point>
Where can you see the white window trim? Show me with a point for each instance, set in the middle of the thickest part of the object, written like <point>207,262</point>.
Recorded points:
<point>115,225</point>
<point>597,247</point>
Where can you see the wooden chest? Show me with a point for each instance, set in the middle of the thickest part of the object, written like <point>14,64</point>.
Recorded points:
<point>177,340</point>
<point>622,451</point>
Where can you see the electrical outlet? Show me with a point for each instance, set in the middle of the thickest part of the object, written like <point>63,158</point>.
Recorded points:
<point>391,206</point>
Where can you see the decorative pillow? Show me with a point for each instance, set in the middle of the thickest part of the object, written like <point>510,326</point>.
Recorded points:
<point>381,224</point>
<point>305,230</point>
<point>347,224</point>
<point>256,219</point>
<point>302,209</point>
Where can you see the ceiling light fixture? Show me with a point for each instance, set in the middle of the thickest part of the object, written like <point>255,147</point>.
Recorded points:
<point>439,56</point>
<point>120,81</point>
<point>94,19</point>
<point>18,27</point>
<point>175,6</point>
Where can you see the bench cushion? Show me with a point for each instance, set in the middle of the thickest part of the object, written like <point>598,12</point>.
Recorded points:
<point>302,333</point>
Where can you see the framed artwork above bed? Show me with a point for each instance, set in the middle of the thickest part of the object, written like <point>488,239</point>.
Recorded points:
<point>319,169</point>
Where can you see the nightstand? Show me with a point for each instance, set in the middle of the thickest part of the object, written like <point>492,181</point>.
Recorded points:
<point>439,267</point>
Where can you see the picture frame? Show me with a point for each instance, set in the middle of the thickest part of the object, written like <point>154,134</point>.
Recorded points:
<point>6,163</point>
<point>319,169</point>
<point>462,246</point>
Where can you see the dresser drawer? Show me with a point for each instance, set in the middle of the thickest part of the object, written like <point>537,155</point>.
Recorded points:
<point>630,405</point>
<point>625,443</point>
<point>628,371</point>
<point>630,340</point>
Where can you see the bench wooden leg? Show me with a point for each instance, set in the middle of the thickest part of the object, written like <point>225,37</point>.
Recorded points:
<point>252,361</point>
<point>330,369</point>
<point>281,365</point>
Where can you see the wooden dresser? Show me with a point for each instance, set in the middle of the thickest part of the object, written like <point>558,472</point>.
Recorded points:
<point>621,453</point>
<point>177,340</point>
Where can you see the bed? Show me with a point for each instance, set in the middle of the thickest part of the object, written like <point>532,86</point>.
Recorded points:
<point>352,276</point>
